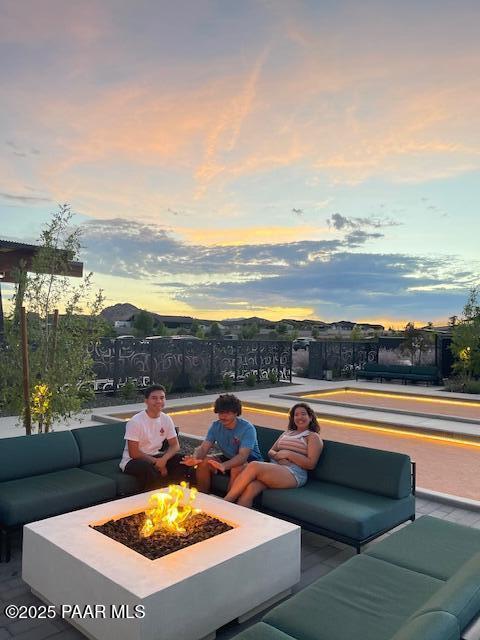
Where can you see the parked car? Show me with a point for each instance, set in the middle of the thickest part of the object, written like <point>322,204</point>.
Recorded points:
<point>301,343</point>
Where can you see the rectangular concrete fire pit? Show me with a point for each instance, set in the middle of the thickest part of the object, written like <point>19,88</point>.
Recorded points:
<point>186,595</point>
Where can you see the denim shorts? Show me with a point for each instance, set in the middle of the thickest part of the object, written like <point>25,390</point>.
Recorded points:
<point>300,475</point>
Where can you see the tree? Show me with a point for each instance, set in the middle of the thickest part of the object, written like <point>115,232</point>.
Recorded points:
<point>143,324</point>
<point>356,333</point>
<point>465,344</point>
<point>161,329</point>
<point>215,332</point>
<point>249,331</point>
<point>416,342</point>
<point>315,333</point>
<point>196,330</point>
<point>60,367</point>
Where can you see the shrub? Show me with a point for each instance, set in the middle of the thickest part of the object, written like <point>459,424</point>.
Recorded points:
<point>273,376</point>
<point>472,386</point>
<point>129,390</point>
<point>250,379</point>
<point>199,386</point>
<point>227,382</point>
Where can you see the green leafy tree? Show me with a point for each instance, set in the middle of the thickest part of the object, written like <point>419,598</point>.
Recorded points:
<point>356,333</point>
<point>249,331</point>
<point>196,330</point>
<point>143,323</point>
<point>60,365</point>
<point>161,329</point>
<point>214,332</point>
<point>466,338</point>
<point>315,333</point>
<point>416,342</point>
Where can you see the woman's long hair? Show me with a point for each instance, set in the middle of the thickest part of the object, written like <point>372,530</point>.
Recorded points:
<point>313,426</point>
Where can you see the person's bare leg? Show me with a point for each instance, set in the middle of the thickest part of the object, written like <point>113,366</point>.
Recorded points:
<point>242,480</point>
<point>251,492</point>
<point>234,473</point>
<point>203,474</point>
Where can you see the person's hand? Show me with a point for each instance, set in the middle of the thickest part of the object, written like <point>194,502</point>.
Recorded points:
<point>190,461</point>
<point>281,455</point>
<point>215,464</point>
<point>161,467</point>
<point>273,454</point>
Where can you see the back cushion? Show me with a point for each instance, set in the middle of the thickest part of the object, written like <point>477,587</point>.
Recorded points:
<point>460,595</point>
<point>382,472</point>
<point>266,437</point>
<point>24,456</point>
<point>99,443</point>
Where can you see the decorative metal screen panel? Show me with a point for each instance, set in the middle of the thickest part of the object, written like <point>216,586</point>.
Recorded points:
<point>342,358</point>
<point>186,364</point>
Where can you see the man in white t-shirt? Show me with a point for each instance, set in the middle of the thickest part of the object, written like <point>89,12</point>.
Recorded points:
<point>145,435</point>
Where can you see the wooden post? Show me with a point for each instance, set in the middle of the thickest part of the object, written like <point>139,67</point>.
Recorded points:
<point>27,416</point>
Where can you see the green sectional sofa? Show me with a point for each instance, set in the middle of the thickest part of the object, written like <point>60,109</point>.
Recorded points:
<point>420,583</point>
<point>47,474</point>
<point>354,494</point>
<point>417,373</point>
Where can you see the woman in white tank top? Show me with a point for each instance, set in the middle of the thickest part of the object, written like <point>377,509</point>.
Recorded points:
<point>294,453</point>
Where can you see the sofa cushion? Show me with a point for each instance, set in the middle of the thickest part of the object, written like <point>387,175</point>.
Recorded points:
<point>384,473</point>
<point>102,442</point>
<point>266,437</point>
<point>460,595</point>
<point>346,511</point>
<point>125,484</point>
<point>363,598</point>
<point>29,499</point>
<point>435,625</point>
<point>429,545</point>
<point>24,456</point>
<point>262,631</point>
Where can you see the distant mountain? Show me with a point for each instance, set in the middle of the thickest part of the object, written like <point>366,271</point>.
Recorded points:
<point>125,311</point>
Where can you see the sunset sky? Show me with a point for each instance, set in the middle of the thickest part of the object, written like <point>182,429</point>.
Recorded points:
<point>303,159</point>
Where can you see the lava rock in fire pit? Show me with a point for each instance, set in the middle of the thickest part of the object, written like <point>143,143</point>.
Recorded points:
<point>126,530</point>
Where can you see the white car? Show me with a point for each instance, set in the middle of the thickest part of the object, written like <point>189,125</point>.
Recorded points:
<point>301,343</point>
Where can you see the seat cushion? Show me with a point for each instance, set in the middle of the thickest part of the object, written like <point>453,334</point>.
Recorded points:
<point>436,547</point>
<point>42,496</point>
<point>460,595</point>
<point>345,511</point>
<point>436,625</point>
<point>363,598</point>
<point>101,442</point>
<point>125,484</point>
<point>25,456</point>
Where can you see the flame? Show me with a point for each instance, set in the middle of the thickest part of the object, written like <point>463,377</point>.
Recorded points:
<point>169,510</point>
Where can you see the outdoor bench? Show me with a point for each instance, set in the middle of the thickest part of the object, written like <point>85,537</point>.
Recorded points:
<point>373,370</point>
<point>354,494</point>
<point>420,583</point>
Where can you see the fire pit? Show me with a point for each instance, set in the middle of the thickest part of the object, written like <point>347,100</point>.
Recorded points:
<point>170,523</point>
<point>185,595</point>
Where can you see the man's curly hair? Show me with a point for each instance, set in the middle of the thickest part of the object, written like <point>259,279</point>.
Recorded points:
<point>228,402</point>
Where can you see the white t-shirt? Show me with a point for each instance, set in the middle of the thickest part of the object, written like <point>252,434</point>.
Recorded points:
<point>150,433</point>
